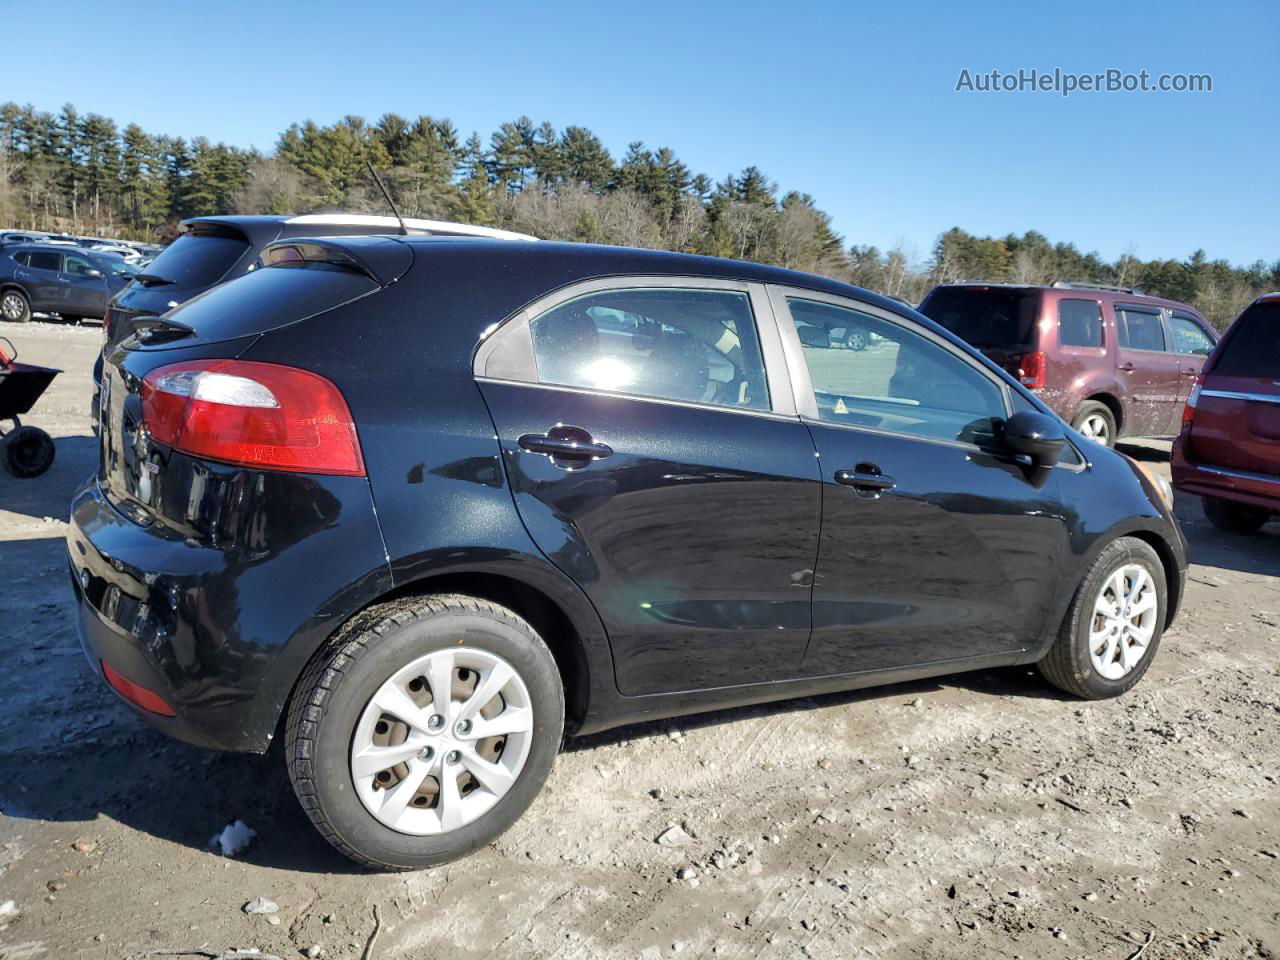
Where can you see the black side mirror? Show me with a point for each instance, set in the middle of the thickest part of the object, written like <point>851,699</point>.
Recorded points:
<point>93,274</point>
<point>1035,435</point>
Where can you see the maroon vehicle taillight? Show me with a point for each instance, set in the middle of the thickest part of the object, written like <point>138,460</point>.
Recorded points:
<point>249,414</point>
<point>1032,368</point>
<point>1189,411</point>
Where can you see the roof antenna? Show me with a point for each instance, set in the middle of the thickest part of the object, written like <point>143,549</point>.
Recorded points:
<point>404,231</point>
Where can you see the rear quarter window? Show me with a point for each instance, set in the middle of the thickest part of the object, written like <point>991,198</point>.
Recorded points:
<point>197,259</point>
<point>1079,323</point>
<point>1253,344</point>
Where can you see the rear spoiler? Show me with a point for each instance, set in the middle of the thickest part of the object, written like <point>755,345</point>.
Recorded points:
<point>382,259</point>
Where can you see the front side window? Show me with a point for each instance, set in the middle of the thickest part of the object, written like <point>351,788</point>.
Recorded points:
<point>1189,336</point>
<point>696,346</point>
<point>1140,329</point>
<point>1079,323</point>
<point>44,260</point>
<point>78,266</point>
<point>901,381</point>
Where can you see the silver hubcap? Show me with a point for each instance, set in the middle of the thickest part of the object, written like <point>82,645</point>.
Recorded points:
<point>442,741</point>
<point>1124,621</point>
<point>1095,427</point>
<point>11,306</point>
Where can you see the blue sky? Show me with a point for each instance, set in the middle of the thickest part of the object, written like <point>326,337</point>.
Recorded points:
<point>852,102</point>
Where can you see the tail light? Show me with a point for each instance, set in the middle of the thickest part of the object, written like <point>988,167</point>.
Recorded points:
<point>1189,411</point>
<point>249,414</point>
<point>1031,370</point>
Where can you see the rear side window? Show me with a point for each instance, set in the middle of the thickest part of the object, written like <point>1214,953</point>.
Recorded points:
<point>985,316</point>
<point>1189,336</point>
<point>1253,344</point>
<point>43,260</point>
<point>697,346</point>
<point>1080,323</point>
<point>197,259</point>
<point>1140,328</point>
<point>270,298</point>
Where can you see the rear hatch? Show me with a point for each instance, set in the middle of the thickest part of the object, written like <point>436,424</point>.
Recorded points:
<point>203,256</point>
<point>1237,412</point>
<point>151,374</point>
<point>999,321</point>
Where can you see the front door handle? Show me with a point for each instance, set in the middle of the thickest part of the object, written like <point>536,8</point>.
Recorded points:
<point>571,444</point>
<point>866,478</point>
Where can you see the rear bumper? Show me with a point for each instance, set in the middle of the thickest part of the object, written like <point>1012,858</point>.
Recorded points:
<point>1253,489</point>
<point>219,637</point>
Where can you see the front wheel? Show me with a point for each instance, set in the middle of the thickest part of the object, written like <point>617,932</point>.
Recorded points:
<point>1113,627</point>
<point>425,731</point>
<point>857,339</point>
<point>1234,517</point>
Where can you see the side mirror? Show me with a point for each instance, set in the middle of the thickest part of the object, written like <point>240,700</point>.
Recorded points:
<point>94,274</point>
<point>1035,435</point>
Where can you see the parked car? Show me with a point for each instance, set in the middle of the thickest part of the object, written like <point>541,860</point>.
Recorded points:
<point>50,278</point>
<point>213,250</point>
<point>610,485</point>
<point>1229,448</point>
<point>1111,361</point>
<point>13,237</point>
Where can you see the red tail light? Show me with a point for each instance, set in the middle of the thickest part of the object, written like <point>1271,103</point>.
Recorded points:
<point>254,415</point>
<point>1189,411</point>
<point>1031,370</point>
<point>136,694</point>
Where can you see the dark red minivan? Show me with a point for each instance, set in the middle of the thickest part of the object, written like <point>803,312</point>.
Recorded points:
<point>1110,361</point>
<point>1229,448</point>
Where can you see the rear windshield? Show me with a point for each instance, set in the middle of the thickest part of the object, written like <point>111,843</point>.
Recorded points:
<point>1253,347</point>
<point>985,316</point>
<point>270,298</point>
<point>197,260</point>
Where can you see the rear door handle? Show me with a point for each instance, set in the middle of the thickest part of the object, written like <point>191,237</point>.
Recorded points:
<point>1126,367</point>
<point>865,481</point>
<point>565,443</point>
<point>1191,373</point>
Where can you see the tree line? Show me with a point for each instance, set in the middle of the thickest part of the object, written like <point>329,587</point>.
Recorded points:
<point>83,173</point>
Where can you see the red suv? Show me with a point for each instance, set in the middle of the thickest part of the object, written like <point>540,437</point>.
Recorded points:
<point>1110,361</point>
<point>1229,447</point>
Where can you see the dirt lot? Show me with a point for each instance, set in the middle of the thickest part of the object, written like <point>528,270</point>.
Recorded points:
<point>982,815</point>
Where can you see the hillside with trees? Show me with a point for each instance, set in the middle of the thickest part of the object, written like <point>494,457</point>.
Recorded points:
<point>84,174</point>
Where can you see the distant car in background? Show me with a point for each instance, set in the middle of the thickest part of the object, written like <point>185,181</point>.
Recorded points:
<point>1228,451</point>
<point>12,237</point>
<point>1110,361</point>
<point>52,278</point>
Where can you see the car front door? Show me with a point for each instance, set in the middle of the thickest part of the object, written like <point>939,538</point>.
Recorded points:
<point>936,545</point>
<point>658,466</point>
<point>84,287</point>
<point>1193,343</point>
<point>1148,369</point>
<point>39,275</point>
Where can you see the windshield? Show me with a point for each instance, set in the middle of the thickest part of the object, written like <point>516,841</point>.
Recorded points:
<point>197,260</point>
<point>1253,347</point>
<point>985,316</point>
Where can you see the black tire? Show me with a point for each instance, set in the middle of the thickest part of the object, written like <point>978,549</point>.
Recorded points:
<point>14,306</point>
<point>339,682</point>
<point>1234,517</point>
<point>1068,665</point>
<point>856,339</point>
<point>1097,413</point>
<point>28,452</point>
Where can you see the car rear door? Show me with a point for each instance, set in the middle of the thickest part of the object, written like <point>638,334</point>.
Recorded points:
<point>655,461</point>
<point>1149,371</point>
<point>1237,414</point>
<point>40,278</point>
<point>935,545</point>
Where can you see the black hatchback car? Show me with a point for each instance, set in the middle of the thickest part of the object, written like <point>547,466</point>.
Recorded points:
<point>58,278</point>
<point>420,506</point>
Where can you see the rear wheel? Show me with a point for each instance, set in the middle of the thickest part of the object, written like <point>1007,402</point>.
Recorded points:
<point>14,306</point>
<point>1234,517</point>
<point>1112,630</point>
<point>1096,421</point>
<point>28,452</point>
<point>425,731</point>
<point>857,339</point>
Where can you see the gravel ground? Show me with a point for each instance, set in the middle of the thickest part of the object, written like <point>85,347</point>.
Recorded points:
<point>976,816</point>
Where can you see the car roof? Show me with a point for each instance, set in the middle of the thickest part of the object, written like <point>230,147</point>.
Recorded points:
<point>1071,289</point>
<point>264,228</point>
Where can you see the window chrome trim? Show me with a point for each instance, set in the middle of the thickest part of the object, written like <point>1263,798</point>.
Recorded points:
<point>665,401</point>
<point>1241,395</point>
<point>515,332</point>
